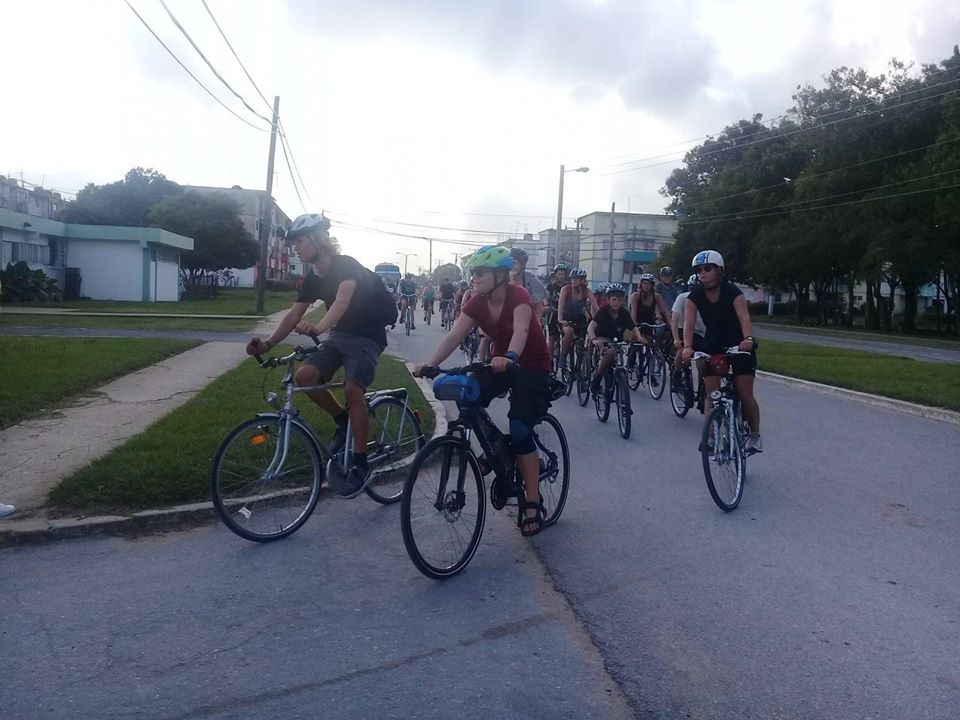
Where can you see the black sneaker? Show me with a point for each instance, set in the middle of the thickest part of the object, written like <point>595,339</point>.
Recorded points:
<point>354,483</point>
<point>339,439</point>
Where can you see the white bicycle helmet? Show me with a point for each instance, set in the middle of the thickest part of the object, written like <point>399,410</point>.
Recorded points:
<point>693,280</point>
<point>615,289</point>
<point>648,276</point>
<point>307,224</point>
<point>578,273</point>
<point>707,257</point>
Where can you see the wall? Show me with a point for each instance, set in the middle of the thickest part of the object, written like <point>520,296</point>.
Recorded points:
<point>164,275</point>
<point>110,270</point>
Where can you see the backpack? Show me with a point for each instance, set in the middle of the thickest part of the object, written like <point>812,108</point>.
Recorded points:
<point>383,306</point>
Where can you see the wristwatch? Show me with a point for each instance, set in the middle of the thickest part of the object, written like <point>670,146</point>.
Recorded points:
<point>511,356</point>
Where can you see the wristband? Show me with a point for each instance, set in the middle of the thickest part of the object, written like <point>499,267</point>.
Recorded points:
<point>511,356</point>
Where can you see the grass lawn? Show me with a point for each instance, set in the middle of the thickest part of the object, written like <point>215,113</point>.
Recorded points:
<point>936,384</point>
<point>170,462</point>
<point>231,301</point>
<point>859,333</point>
<point>125,323</point>
<point>42,373</point>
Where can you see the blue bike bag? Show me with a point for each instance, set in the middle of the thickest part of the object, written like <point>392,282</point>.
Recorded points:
<point>458,388</point>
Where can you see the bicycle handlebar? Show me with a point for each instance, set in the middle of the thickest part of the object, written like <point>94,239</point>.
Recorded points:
<point>299,350</point>
<point>431,371</point>
<point>732,350</point>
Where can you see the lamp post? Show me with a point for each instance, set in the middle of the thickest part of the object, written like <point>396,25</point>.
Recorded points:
<point>563,171</point>
<point>406,256</point>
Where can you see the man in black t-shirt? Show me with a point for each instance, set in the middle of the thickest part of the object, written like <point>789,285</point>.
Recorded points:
<point>610,323</point>
<point>357,337</point>
<point>723,309</point>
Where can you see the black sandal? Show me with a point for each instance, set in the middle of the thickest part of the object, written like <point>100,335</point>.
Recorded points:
<point>536,520</point>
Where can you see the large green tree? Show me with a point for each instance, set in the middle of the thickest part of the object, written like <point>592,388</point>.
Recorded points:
<point>126,202</point>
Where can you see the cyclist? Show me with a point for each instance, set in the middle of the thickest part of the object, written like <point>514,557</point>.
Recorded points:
<point>408,296</point>
<point>667,287</point>
<point>723,308</point>
<point>356,338</point>
<point>558,280</point>
<point>677,319</point>
<point>447,291</point>
<point>519,275</point>
<point>576,306</point>
<point>601,295</point>
<point>646,305</point>
<point>610,323</point>
<point>429,295</point>
<point>463,291</point>
<point>505,313</point>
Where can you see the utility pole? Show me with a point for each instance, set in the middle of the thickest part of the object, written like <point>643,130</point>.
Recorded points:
<point>430,255</point>
<point>613,209</point>
<point>406,257</point>
<point>266,212</point>
<point>556,246</point>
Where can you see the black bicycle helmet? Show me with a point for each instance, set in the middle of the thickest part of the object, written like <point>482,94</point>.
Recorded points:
<point>520,255</point>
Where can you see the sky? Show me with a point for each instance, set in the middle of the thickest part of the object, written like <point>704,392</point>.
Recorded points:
<point>425,117</point>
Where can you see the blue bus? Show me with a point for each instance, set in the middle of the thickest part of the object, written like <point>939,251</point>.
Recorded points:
<point>390,274</point>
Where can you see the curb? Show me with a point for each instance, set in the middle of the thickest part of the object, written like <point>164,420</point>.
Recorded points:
<point>35,531</point>
<point>902,406</point>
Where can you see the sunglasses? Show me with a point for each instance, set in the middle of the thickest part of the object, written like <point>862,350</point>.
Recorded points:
<point>477,272</point>
<point>706,268</point>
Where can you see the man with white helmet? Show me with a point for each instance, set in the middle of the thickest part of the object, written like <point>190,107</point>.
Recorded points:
<point>726,319</point>
<point>357,335</point>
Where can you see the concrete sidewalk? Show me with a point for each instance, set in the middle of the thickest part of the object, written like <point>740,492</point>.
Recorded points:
<point>36,454</point>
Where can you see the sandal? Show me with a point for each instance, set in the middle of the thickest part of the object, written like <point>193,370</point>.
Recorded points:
<point>536,520</point>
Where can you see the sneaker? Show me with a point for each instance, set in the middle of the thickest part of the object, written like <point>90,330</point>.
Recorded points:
<point>339,439</point>
<point>6,510</point>
<point>354,483</point>
<point>709,445</point>
<point>754,444</point>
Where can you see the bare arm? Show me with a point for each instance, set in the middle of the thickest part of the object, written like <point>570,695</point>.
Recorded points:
<point>675,326</point>
<point>522,315</point>
<point>634,299</point>
<point>459,331</point>
<point>662,308</point>
<point>562,300</point>
<point>288,323</point>
<point>688,323</point>
<point>743,315</point>
<point>594,308</point>
<point>339,306</point>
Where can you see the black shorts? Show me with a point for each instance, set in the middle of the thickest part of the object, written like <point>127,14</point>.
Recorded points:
<point>741,365</point>
<point>579,327</point>
<point>529,392</point>
<point>357,355</point>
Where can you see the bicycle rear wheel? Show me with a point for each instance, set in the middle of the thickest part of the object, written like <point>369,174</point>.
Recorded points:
<point>584,373</point>
<point>443,508</point>
<point>256,496</point>
<point>554,466</point>
<point>622,390</point>
<point>680,381</point>
<point>601,401</point>
<point>724,466</point>
<point>392,441</point>
<point>656,373</point>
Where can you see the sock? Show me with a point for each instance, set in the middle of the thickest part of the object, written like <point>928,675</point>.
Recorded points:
<point>360,460</point>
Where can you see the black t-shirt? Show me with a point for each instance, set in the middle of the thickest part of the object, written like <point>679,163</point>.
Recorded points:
<point>447,290</point>
<point>357,319</point>
<point>612,328</point>
<point>720,318</point>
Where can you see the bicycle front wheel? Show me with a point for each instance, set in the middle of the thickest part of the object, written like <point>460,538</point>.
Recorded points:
<point>584,373</point>
<point>723,460</point>
<point>656,374</point>
<point>554,466</point>
<point>393,440</point>
<point>262,490</point>
<point>680,391</point>
<point>601,401</point>
<point>622,390</point>
<point>443,508</point>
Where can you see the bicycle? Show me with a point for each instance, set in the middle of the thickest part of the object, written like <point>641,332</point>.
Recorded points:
<point>651,365</point>
<point>428,311</point>
<point>570,367</point>
<point>615,389</point>
<point>408,303</point>
<point>268,471</point>
<point>471,345</point>
<point>584,374</point>
<point>724,435</point>
<point>442,513</point>
<point>683,396</point>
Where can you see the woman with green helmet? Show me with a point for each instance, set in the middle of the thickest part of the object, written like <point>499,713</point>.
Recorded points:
<point>520,362</point>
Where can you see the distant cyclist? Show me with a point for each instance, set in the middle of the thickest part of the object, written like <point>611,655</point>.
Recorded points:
<point>601,295</point>
<point>558,280</point>
<point>429,295</point>
<point>576,305</point>
<point>726,318</point>
<point>610,323</point>
<point>667,288</point>
<point>646,306</point>
<point>505,313</point>
<point>408,297</point>
<point>447,291</point>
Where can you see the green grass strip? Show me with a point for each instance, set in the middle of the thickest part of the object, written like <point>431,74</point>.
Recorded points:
<point>927,383</point>
<point>42,373</point>
<point>125,323</point>
<point>170,462</point>
<point>231,301</point>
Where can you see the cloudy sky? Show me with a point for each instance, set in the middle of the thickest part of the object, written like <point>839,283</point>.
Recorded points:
<point>441,113</point>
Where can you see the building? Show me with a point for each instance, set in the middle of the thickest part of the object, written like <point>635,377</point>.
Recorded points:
<point>102,262</point>
<point>637,241</point>
<point>37,201</point>
<point>569,249</point>
<point>281,261</point>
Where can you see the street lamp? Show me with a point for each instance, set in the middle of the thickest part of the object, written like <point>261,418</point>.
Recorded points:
<point>406,256</point>
<point>563,171</point>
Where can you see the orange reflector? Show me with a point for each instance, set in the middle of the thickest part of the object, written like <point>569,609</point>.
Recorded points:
<point>258,439</point>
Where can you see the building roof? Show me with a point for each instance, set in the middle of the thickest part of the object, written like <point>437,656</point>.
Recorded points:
<point>143,236</point>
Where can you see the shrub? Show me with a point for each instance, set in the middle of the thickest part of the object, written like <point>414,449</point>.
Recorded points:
<point>18,283</point>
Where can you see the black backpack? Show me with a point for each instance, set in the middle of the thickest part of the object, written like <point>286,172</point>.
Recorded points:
<point>383,306</point>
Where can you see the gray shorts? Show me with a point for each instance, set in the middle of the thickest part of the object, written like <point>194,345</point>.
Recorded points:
<point>357,355</point>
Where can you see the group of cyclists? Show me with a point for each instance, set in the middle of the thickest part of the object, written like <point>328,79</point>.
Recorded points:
<point>410,294</point>
<point>521,318</point>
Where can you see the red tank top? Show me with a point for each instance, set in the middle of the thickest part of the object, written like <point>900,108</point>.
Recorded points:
<point>535,354</point>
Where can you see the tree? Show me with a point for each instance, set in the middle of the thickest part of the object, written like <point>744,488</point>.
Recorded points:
<point>446,271</point>
<point>126,202</point>
<point>220,240</point>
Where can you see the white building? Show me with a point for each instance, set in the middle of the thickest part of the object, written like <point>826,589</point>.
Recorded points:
<point>637,241</point>
<point>102,262</point>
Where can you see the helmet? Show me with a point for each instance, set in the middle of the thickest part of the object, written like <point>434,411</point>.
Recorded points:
<point>666,270</point>
<point>707,257</point>
<point>648,276</point>
<point>578,273</point>
<point>561,266</point>
<point>693,280</point>
<point>601,289</point>
<point>615,289</point>
<point>306,225</point>
<point>519,254</point>
<point>491,257</point>
<point>463,284</point>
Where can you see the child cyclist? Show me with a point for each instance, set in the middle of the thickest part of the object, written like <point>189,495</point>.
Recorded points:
<point>520,363</point>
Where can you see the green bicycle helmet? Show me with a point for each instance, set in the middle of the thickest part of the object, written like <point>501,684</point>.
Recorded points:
<point>560,266</point>
<point>491,257</point>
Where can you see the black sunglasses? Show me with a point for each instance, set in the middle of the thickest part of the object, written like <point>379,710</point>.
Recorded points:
<point>708,267</point>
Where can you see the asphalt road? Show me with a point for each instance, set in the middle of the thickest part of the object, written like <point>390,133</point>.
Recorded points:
<point>832,592</point>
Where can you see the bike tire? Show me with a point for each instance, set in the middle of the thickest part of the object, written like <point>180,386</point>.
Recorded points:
<point>624,412</point>
<point>601,402</point>
<point>583,379</point>
<point>571,370</point>
<point>554,466</point>
<point>636,371</point>
<point>265,509</point>
<point>679,391</point>
<point>432,515</point>
<point>406,321</point>
<point>723,469</point>
<point>393,440</point>
<point>656,369</point>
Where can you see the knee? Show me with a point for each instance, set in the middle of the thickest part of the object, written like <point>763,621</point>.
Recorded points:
<point>354,394</point>
<point>521,437</point>
<point>307,375</point>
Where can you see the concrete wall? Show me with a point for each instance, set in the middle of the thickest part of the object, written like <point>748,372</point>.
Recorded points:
<point>164,275</point>
<point>109,270</point>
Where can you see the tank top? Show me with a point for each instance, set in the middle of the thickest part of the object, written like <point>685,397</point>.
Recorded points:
<point>575,309</point>
<point>646,313</point>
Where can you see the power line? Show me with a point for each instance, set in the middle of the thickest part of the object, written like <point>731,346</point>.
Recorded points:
<point>450,241</point>
<point>187,70</point>
<point>283,146</point>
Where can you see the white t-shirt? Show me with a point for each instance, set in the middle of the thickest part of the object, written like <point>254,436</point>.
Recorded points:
<point>680,306</point>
